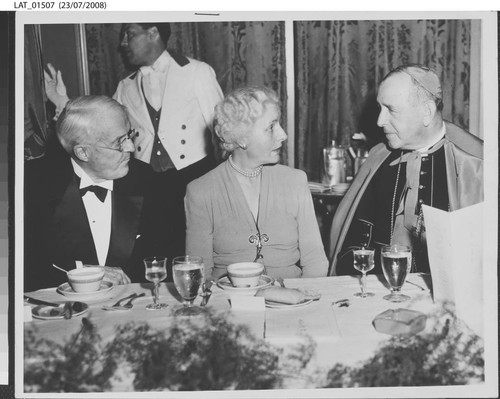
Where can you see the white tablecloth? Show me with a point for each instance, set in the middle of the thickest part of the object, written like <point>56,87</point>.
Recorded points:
<point>342,334</point>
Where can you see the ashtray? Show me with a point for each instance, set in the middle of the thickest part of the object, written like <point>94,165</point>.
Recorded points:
<point>402,322</point>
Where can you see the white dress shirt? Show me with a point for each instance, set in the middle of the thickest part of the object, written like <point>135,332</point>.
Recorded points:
<point>154,78</point>
<point>98,213</point>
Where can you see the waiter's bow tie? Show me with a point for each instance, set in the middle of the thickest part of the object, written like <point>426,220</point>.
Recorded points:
<point>100,192</point>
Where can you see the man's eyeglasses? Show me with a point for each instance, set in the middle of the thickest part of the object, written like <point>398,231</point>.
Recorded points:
<point>131,135</point>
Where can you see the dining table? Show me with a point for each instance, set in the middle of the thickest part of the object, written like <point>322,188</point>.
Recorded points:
<point>339,323</point>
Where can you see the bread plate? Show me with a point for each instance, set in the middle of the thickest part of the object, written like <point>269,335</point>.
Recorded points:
<point>277,305</point>
<point>45,312</point>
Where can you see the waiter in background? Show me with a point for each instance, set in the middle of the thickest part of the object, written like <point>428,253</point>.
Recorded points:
<point>170,101</point>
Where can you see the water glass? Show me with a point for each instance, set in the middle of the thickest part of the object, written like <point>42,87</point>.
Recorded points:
<point>188,276</point>
<point>396,263</point>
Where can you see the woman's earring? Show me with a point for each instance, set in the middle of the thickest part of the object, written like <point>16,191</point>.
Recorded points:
<point>243,146</point>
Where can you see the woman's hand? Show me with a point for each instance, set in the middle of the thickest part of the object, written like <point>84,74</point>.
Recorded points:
<point>55,89</point>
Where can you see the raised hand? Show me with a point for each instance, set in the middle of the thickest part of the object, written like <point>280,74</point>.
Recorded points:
<point>55,89</point>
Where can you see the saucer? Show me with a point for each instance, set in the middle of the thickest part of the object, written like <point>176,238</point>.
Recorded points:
<point>66,290</point>
<point>45,312</point>
<point>226,285</point>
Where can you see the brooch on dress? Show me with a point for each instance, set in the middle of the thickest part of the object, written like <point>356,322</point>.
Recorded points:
<point>257,240</point>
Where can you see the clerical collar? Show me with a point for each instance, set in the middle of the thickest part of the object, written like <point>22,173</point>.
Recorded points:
<point>439,138</point>
<point>86,180</point>
<point>161,64</point>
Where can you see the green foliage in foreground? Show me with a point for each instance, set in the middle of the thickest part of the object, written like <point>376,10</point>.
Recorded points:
<point>211,353</point>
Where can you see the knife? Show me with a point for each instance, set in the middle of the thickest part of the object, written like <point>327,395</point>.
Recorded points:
<point>35,301</point>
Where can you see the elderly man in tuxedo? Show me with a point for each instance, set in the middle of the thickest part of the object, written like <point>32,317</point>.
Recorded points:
<point>92,203</point>
<point>170,100</point>
<point>426,160</point>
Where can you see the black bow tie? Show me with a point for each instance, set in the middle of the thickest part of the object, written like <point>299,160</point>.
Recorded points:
<point>100,192</point>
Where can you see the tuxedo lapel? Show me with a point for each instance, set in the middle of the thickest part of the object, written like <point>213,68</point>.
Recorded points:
<point>125,220</point>
<point>70,227</point>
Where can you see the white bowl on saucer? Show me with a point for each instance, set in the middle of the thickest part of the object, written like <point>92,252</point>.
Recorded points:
<point>245,274</point>
<point>105,290</point>
<point>86,279</point>
<point>226,285</point>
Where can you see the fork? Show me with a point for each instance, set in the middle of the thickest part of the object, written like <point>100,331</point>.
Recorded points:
<point>129,305</point>
<point>117,304</point>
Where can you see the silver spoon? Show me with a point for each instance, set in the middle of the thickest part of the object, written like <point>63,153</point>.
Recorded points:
<point>60,268</point>
<point>129,305</point>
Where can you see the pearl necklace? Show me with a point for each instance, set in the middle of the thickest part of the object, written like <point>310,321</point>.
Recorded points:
<point>253,173</point>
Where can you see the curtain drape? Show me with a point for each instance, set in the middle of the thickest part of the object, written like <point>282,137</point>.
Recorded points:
<point>338,66</point>
<point>241,53</point>
<point>35,116</point>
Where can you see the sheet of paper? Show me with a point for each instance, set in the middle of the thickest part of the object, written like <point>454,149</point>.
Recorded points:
<point>455,246</point>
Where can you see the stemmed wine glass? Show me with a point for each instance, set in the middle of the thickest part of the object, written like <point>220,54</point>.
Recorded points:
<point>396,262</point>
<point>364,262</point>
<point>156,271</point>
<point>188,276</point>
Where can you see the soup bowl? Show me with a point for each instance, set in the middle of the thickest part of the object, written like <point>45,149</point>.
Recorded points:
<point>245,274</point>
<point>86,279</point>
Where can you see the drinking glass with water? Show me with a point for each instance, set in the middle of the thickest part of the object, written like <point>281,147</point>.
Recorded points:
<point>188,276</point>
<point>396,263</point>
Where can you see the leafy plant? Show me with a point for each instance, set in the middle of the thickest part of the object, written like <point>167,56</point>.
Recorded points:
<point>211,353</point>
<point>74,366</point>
<point>195,354</point>
<point>449,355</point>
